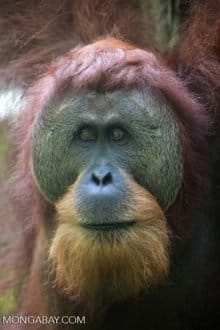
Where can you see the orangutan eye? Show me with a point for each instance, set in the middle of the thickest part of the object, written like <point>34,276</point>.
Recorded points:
<point>117,134</point>
<point>87,134</point>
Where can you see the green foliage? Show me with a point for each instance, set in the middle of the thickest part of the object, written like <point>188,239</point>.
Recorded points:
<point>166,17</point>
<point>7,302</point>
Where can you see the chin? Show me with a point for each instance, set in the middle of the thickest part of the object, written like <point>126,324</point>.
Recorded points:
<point>122,259</point>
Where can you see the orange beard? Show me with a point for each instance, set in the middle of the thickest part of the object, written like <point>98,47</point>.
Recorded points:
<point>101,267</point>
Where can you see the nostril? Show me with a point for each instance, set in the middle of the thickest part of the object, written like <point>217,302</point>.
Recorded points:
<point>107,179</point>
<point>102,180</point>
<point>95,179</point>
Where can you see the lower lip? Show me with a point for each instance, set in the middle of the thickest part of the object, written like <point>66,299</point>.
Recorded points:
<point>109,226</point>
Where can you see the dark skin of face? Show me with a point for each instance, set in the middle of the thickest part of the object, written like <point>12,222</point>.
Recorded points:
<point>95,138</point>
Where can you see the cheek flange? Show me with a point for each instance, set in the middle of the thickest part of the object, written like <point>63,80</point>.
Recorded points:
<point>52,164</point>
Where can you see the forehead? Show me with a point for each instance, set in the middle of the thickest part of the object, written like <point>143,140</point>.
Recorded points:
<point>126,105</point>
